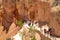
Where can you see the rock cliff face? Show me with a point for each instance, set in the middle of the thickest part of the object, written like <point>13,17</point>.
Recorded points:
<point>8,10</point>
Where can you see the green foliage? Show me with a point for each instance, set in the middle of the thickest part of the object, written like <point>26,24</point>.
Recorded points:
<point>30,35</point>
<point>32,31</point>
<point>31,28</point>
<point>33,38</point>
<point>8,39</point>
<point>47,38</point>
<point>19,22</point>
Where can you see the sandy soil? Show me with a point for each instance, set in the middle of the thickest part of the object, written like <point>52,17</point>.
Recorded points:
<point>12,31</point>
